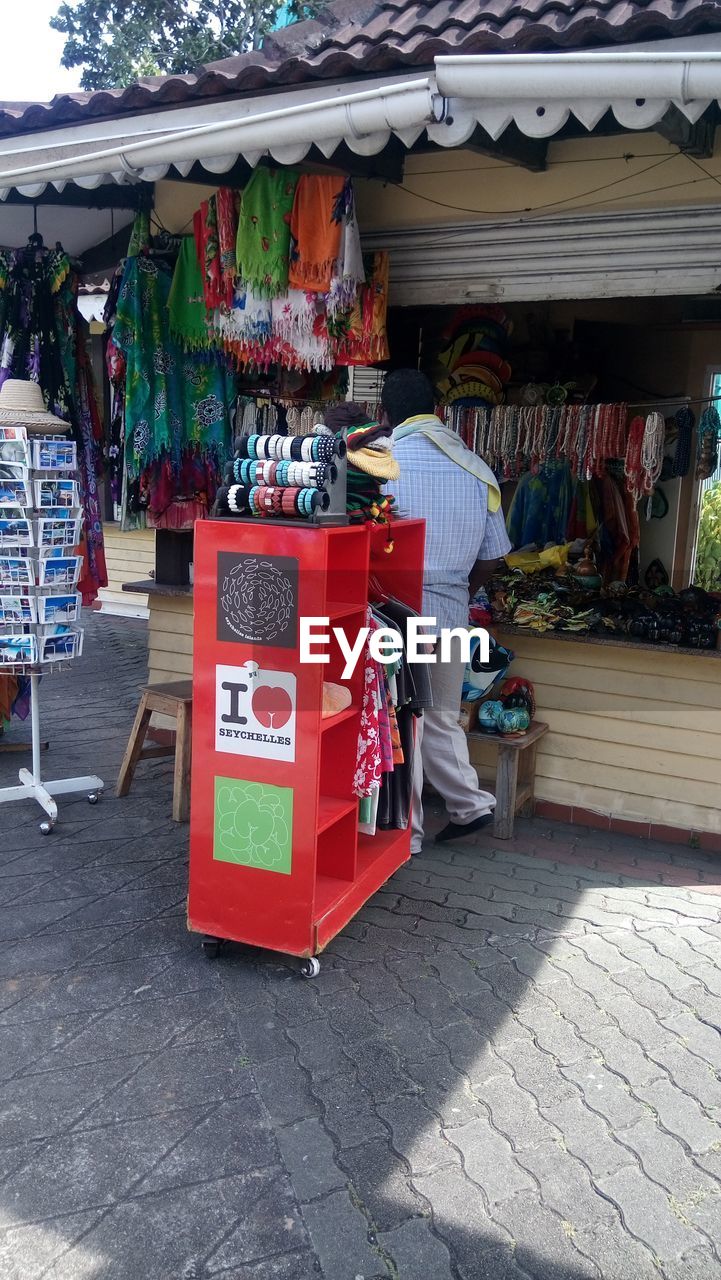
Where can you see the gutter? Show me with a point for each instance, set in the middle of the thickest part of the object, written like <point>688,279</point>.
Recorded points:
<point>408,105</point>
<point>561,77</point>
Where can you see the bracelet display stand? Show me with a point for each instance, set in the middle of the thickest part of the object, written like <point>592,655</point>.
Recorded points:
<point>39,603</point>
<point>276,858</point>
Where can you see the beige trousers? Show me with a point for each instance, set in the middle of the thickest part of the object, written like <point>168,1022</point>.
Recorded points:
<point>441,754</point>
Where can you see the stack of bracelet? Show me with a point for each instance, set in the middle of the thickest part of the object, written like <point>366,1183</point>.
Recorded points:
<point>279,475</point>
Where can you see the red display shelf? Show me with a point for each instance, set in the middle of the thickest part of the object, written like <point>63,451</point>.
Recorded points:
<point>276,860</point>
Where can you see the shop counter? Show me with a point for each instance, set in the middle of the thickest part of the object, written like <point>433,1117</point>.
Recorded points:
<point>635,728</point>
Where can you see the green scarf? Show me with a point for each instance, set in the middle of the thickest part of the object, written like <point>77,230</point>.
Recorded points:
<point>263,244</point>
<point>186,304</point>
<point>451,444</point>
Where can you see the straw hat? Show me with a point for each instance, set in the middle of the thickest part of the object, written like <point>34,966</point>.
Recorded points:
<point>22,404</point>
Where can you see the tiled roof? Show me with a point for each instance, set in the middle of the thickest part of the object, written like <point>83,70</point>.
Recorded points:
<point>362,37</point>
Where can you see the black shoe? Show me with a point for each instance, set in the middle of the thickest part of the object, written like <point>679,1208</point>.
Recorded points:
<point>457,830</point>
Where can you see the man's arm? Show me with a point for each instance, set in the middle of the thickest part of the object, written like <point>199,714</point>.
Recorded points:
<point>496,544</point>
<point>481,572</point>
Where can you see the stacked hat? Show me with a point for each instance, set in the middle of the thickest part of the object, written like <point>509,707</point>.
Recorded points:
<point>475,370</point>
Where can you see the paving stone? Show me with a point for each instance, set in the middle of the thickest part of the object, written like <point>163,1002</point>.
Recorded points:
<point>489,1159</point>
<point>416,1252</point>
<point>181,1078</point>
<point>416,1135</point>
<point>380,988</point>
<point>605,1093</point>
<point>696,1265</point>
<point>665,1160</point>
<point>647,1213</point>
<point>286,1092</point>
<point>379,1070</point>
<point>704,1041</point>
<point>553,1033</point>
<point>446,1091</point>
<point>617,1255</point>
<point>588,1137</point>
<point>537,1072</point>
<point>319,1049</point>
<point>348,1111</point>
<point>462,1222</point>
<point>308,1155</point>
<point>577,1006</point>
<point>168,1232</point>
<point>27,1253</point>
<point>234,1138</point>
<point>286,1266</point>
<point>350,1018</point>
<point>380,1183</point>
<point>514,1113</point>
<point>84,1170</point>
<point>681,1115</point>
<point>624,1056</point>
<point>543,1247</point>
<point>43,1105</point>
<point>565,1186</point>
<point>340,1237</point>
<point>695,1076</point>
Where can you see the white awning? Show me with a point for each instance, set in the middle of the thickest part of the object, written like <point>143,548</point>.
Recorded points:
<point>537,92</point>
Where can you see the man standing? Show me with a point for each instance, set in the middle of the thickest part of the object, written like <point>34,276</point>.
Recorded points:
<point>457,495</point>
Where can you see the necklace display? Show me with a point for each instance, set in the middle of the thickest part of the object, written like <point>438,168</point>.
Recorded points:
<point>517,438</point>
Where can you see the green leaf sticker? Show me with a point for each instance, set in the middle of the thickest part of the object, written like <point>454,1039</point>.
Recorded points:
<point>253,825</point>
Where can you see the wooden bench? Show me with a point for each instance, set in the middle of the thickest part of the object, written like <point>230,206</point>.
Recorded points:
<point>515,775</point>
<point>175,701</point>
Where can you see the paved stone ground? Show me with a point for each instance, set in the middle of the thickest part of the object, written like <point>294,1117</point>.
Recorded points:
<point>507,1069</point>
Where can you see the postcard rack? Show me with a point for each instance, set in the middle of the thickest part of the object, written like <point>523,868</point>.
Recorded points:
<point>40,528</point>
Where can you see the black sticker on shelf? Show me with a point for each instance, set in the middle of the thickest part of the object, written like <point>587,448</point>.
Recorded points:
<point>258,599</point>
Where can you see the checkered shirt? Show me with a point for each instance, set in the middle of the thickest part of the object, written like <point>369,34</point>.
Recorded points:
<point>459,527</point>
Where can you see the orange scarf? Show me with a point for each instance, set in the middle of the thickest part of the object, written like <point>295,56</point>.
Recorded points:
<point>316,224</point>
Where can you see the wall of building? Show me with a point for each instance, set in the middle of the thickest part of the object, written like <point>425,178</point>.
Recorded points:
<point>130,557</point>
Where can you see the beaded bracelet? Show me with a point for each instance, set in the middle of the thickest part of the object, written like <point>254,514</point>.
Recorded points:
<point>289,502</point>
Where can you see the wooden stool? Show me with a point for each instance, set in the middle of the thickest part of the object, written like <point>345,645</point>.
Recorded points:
<point>515,775</point>
<point>175,701</point>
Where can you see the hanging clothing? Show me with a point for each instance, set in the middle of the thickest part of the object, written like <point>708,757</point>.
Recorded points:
<point>541,506</point>
<point>316,225</point>
<point>177,408</point>
<point>188,317</point>
<point>41,339</point>
<point>263,240</point>
<point>348,271</point>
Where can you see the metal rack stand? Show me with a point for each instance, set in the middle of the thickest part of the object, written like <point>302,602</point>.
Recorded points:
<point>32,786</point>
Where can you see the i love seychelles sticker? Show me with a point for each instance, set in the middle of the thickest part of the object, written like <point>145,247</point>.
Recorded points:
<point>255,712</point>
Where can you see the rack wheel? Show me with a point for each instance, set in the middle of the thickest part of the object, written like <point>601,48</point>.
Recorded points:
<point>310,968</point>
<point>46,828</point>
<point>212,947</point>
<point>93,797</point>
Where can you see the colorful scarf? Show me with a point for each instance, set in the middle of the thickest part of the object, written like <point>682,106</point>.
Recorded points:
<point>450,443</point>
<point>348,271</point>
<point>227,207</point>
<point>177,427</point>
<point>362,336</point>
<point>186,301</point>
<point>205,230</point>
<point>316,225</point>
<point>300,331</point>
<point>263,242</point>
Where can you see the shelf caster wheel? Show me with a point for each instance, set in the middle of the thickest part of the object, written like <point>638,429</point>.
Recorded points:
<point>93,797</point>
<point>310,968</point>
<point>212,947</point>
<point>46,828</point>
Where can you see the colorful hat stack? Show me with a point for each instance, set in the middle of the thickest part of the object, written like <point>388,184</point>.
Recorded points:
<point>475,370</point>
